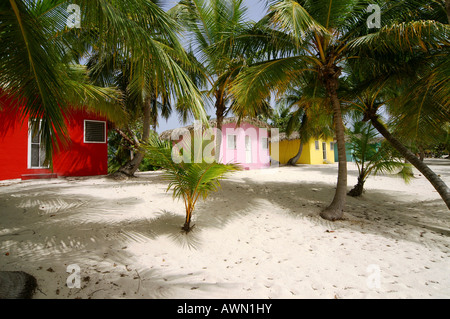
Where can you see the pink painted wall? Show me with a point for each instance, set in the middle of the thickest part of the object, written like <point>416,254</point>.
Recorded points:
<point>259,157</point>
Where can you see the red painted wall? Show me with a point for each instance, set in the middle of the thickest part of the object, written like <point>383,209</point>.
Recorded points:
<point>76,159</point>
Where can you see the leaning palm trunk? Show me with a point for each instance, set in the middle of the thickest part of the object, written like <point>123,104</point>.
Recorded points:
<point>295,159</point>
<point>437,183</point>
<point>132,166</point>
<point>319,36</point>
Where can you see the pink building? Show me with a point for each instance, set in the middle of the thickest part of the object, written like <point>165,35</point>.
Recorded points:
<point>246,144</point>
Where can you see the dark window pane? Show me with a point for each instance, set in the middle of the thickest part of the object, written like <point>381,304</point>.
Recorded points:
<point>95,132</point>
<point>35,155</point>
<point>42,155</point>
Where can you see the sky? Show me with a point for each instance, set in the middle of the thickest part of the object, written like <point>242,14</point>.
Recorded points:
<point>256,7</point>
<point>256,10</point>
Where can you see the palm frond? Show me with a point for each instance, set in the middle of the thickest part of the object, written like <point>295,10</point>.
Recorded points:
<point>405,37</point>
<point>188,180</point>
<point>293,18</point>
<point>257,82</point>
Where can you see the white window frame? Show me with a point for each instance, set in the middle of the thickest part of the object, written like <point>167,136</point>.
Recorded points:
<point>30,139</point>
<point>229,147</point>
<point>84,132</point>
<point>317,145</point>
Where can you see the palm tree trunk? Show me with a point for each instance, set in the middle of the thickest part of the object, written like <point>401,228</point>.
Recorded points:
<point>421,153</point>
<point>295,159</point>
<point>359,187</point>
<point>132,166</point>
<point>187,223</point>
<point>220,110</point>
<point>336,209</point>
<point>437,183</point>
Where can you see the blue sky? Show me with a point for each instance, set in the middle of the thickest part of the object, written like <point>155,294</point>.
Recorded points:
<point>256,11</point>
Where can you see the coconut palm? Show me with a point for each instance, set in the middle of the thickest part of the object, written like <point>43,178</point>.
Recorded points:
<point>434,179</point>
<point>143,99</point>
<point>36,79</point>
<point>311,39</point>
<point>413,116</point>
<point>212,28</point>
<point>279,117</point>
<point>372,157</point>
<point>320,38</point>
<point>409,80</point>
<point>189,180</point>
<point>38,59</point>
<point>430,117</point>
<point>309,116</point>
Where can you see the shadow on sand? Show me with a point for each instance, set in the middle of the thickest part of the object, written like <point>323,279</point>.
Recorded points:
<point>67,227</point>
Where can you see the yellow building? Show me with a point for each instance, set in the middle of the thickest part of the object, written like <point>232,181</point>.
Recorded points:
<point>315,151</point>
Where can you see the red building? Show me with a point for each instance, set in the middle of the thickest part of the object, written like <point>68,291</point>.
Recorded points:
<point>22,153</point>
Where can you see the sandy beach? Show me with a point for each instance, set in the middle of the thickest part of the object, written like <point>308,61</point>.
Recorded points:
<point>260,236</point>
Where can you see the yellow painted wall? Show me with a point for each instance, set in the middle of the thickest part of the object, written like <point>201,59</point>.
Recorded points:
<point>330,150</point>
<point>288,149</point>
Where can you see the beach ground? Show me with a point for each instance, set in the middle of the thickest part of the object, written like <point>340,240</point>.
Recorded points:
<point>259,236</point>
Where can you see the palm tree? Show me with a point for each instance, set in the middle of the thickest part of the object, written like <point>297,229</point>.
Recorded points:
<point>372,157</point>
<point>190,181</point>
<point>36,76</point>
<point>417,64</point>
<point>410,118</point>
<point>132,133</point>
<point>38,63</point>
<point>311,37</point>
<point>143,100</point>
<point>371,114</point>
<point>279,117</point>
<point>434,179</point>
<point>309,116</point>
<point>320,38</point>
<point>213,27</point>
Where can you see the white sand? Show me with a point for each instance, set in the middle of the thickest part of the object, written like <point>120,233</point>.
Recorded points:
<point>259,237</point>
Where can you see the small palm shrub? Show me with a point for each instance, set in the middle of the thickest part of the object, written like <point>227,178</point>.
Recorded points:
<point>189,181</point>
<point>372,157</point>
